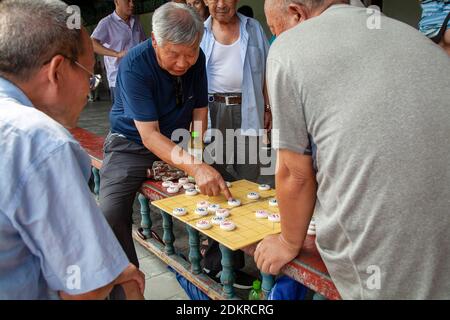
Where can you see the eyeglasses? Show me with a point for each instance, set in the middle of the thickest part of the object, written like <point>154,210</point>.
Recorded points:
<point>178,92</point>
<point>94,79</point>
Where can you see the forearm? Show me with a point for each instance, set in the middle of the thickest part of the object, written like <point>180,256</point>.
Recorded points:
<point>98,294</point>
<point>101,50</point>
<point>296,200</point>
<point>169,152</point>
<point>200,120</point>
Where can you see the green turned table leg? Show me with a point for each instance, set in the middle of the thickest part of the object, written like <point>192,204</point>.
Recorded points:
<point>96,174</point>
<point>227,276</point>
<point>268,281</point>
<point>168,236</point>
<point>318,296</point>
<point>194,250</point>
<point>146,221</point>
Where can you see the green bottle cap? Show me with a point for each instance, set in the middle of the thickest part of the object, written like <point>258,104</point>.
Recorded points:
<point>195,134</point>
<point>257,285</point>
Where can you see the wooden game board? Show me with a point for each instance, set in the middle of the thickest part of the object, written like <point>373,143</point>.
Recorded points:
<point>248,230</point>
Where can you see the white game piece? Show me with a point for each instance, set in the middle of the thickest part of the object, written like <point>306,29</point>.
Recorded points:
<point>273,202</point>
<point>227,225</point>
<point>234,203</point>
<point>228,184</point>
<point>174,185</point>
<point>264,187</point>
<point>213,208</point>
<point>191,179</point>
<point>274,217</point>
<point>167,184</point>
<point>222,213</point>
<point>183,180</point>
<point>188,186</point>
<point>261,214</point>
<point>179,211</point>
<point>311,232</point>
<point>191,192</point>
<point>217,220</point>
<point>203,224</point>
<point>253,195</point>
<point>203,204</point>
<point>201,212</point>
<point>197,188</point>
<point>173,190</point>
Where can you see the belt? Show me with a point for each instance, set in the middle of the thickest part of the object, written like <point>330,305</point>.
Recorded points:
<point>229,100</point>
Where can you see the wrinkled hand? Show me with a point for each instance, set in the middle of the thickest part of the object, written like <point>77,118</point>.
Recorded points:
<point>272,254</point>
<point>131,273</point>
<point>210,181</point>
<point>268,121</point>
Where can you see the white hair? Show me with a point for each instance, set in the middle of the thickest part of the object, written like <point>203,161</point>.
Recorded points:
<point>177,23</point>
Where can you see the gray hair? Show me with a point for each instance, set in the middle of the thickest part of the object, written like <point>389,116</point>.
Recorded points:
<point>32,33</point>
<point>177,23</point>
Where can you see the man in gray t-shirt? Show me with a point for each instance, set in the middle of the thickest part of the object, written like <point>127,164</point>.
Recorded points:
<point>363,123</point>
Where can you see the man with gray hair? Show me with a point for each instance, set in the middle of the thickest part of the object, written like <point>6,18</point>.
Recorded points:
<point>161,87</point>
<point>55,242</point>
<point>363,145</point>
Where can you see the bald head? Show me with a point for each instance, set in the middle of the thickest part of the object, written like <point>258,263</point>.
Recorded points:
<point>282,15</point>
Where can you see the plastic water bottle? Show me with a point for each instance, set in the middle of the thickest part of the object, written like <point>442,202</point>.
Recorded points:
<point>256,292</point>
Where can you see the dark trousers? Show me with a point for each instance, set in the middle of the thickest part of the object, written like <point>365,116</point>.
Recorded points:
<point>112,93</point>
<point>121,176</point>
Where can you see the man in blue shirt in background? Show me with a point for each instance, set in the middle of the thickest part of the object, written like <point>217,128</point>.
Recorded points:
<point>161,87</point>
<point>54,241</point>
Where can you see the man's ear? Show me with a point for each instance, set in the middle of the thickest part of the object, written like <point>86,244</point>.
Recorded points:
<point>298,12</point>
<point>154,43</point>
<point>55,69</point>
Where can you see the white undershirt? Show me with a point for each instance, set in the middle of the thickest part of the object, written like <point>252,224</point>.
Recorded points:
<point>225,69</point>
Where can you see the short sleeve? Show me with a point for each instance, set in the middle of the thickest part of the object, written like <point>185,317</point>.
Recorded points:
<point>201,84</point>
<point>62,225</point>
<point>137,97</point>
<point>289,125</point>
<point>101,32</point>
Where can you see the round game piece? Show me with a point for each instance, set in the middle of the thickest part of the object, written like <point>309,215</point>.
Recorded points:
<point>191,192</point>
<point>222,213</point>
<point>228,184</point>
<point>203,204</point>
<point>197,188</point>
<point>234,203</point>
<point>264,187</point>
<point>213,208</point>
<point>274,217</point>
<point>174,185</point>
<point>201,212</point>
<point>273,202</point>
<point>253,195</point>
<point>227,225</point>
<point>183,180</point>
<point>217,220</point>
<point>173,190</point>
<point>167,184</point>
<point>188,186</point>
<point>203,224</point>
<point>261,214</point>
<point>179,211</point>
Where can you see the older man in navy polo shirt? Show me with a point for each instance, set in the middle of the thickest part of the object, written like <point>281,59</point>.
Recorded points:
<point>161,87</point>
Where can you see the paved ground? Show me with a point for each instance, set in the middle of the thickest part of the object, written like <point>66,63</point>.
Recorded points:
<point>160,282</point>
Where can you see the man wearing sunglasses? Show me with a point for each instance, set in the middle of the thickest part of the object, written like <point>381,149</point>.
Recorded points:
<point>55,242</point>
